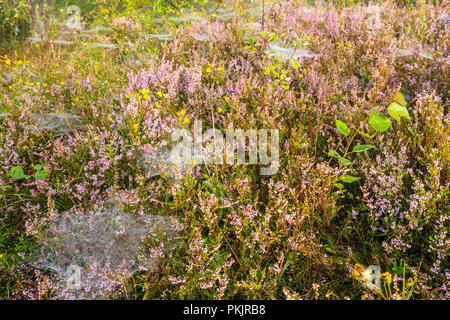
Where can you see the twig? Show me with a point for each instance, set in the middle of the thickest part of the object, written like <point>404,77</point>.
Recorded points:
<point>262,18</point>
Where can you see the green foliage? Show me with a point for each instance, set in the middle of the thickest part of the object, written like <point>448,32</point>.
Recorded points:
<point>15,20</point>
<point>396,111</point>
<point>348,179</point>
<point>379,121</point>
<point>361,148</point>
<point>17,173</point>
<point>342,127</point>
<point>334,153</point>
<point>299,228</point>
<point>41,172</point>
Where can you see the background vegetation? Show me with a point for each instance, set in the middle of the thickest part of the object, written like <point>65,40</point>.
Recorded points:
<point>364,145</point>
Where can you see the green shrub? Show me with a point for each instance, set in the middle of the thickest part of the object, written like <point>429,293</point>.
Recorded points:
<point>15,20</point>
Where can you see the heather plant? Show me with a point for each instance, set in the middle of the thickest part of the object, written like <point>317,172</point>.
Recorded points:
<point>362,116</point>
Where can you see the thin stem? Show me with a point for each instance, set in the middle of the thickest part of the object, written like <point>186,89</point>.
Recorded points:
<point>262,21</point>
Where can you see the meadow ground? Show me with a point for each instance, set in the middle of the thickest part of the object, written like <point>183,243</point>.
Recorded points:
<point>357,208</point>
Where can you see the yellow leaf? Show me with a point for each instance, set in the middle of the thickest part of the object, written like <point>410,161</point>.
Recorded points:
<point>398,97</point>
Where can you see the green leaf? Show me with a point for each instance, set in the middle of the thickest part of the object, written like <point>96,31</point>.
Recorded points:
<point>348,179</point>
<point>37,167</point>
<point>379,121</point>
<point>344,160</point>
<point>330,250</point>
<point>364,134</point>
<point>396,111</point>
<point>333,153</point>
<point>17,173</point>
<point>39,175</point>
<point>362,147</point>
<point>339,186</point>
<point>342,127</point>
<point>283,270</point>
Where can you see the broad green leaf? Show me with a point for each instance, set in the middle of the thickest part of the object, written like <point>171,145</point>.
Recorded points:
<point>37,167</point>
<point>333,153</point>
<point>379,121</point>
<point>398,97</point>
<point>17,173</point>
<point>342,127</point>
<point>396,111</point>
<point>344,160</point>
<point>330,250</point>
<point>339,186</point>
<point>348,179</point>
<point>362,147</point>
<point>39,175</point>
<point>364,134</point>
